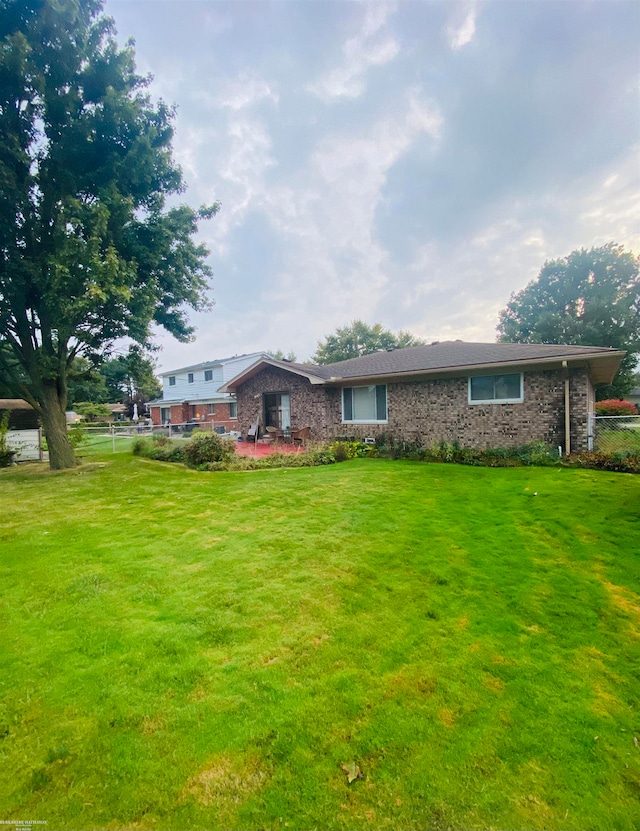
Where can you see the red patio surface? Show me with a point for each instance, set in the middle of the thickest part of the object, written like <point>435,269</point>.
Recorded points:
<point>249,448</point>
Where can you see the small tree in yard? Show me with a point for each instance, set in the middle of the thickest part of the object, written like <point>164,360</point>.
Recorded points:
<point>92,412</point>
<point>88,252</point>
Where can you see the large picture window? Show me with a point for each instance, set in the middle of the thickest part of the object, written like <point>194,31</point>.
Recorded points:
<point>496,389</point>
<point>364,404</point>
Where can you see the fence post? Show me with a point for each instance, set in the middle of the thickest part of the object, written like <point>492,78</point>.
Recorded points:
<point>591,426</point>
<point>113,439</point>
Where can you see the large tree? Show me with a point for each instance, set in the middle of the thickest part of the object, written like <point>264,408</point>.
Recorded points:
<point>358,339</point>
<point>89,252</point>
<point>589,298</point>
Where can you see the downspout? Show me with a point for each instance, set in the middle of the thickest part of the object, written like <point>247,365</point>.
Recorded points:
<point>567,412</point>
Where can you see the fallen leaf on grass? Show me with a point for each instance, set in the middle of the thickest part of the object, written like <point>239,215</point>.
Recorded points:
<point>635,741</point>
<point>353,771</point>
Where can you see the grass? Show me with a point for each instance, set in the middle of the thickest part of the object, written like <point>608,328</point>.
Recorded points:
<point>182,650</point>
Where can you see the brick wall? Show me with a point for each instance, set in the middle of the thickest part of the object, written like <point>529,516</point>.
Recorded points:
<point>433,410</point>
<point>181,413</point>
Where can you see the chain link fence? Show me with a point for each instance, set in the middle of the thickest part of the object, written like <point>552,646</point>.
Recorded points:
<point>614,434</point>
<point>116,438</point>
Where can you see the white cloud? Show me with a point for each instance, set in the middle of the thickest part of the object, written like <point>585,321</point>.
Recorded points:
<point>462,32</point>
<point>370,47</point>
<point>248,89</point>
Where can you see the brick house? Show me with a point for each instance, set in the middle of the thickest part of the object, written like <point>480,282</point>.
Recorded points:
<point>479,394</point>
<point>192,393</point>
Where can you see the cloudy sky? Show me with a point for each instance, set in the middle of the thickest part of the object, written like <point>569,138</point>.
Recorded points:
<point>409,163</point>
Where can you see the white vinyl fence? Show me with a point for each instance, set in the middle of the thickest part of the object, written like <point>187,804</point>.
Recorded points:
<point>27,445</point>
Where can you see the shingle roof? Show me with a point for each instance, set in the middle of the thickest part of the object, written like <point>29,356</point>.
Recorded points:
<point>14,404</point>
<point>448,355</point>
<point>443,357</point>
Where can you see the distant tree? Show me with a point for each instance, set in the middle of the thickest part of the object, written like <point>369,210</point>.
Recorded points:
<point>86,383</point>
<point>589,298</point>
<point>88,251</point>
<point>358,339</point>
<point>279,355</point>
<point>131,379</point>
<point>131,375</point>
<point>92,411</point>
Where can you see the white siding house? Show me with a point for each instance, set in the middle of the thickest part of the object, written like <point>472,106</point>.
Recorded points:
<point>191,393</point>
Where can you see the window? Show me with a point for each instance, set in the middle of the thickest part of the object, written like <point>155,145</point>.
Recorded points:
<point>165,415</point>
<point>233,409</point>
<point>190,377</point>
<point>364,403</point>
<point>277,410</point>
<point>172,380</point>
<point>496,389</point>
<point>208,375</point>
<point>212,409</point>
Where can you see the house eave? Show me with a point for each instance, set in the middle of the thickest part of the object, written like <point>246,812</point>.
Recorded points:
<point>602,369</point>
<point>252,370</point>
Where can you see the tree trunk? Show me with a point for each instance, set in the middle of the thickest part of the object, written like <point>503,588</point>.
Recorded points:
<point>61,455</point>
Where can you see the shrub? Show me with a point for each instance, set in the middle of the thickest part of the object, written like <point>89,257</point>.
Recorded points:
<point>343,450</point>
<point>204,448</point>
<point>621,461</point>
<point>77,435</point>
<point>616,407</point>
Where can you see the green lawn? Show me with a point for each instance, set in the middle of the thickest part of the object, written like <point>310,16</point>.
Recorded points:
<point>191,650</point>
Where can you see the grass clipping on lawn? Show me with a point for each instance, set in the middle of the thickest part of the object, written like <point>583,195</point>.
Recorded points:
<point>371,644</point>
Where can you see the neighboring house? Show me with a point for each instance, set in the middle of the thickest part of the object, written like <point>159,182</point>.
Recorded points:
<point>634,397</point>
<point>118,412</point>
<point>193,392</point>
<point>22,415</point>
<point>479,394</point>
<point>24,436</point>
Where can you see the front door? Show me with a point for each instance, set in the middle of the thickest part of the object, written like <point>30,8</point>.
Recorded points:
<point>277,410</point>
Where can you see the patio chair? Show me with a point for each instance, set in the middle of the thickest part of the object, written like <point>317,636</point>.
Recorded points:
<point>272,433</point>
<point>301,436</point>
<point>252,432</point>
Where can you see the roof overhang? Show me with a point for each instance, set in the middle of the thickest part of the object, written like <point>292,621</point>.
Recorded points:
<point>259,365</point>
<point>602,368</point>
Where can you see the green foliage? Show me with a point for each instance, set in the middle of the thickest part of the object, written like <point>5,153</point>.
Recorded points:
<point>313,458</point>
<point>358,339</point>
<point>204,448</point>
<point>159,450</point>
<point>343,450</point>
<point>536,453</point>
<point>6,455</point>
<point>90,251</point>
<point>131,377</point>
<point>77,435</point>
<point>622,461</point>
<point>589,298</point>
<point>92,412</point>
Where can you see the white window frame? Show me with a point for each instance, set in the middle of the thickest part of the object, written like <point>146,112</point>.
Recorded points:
<point>208,372</point>
<point>233,405</point>
<point>518,400</point>
<point>190,378</point>
<point>172,380</point>
<point>366,420</point>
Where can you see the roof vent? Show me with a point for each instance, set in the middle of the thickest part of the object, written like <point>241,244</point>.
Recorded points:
<point>435,342</point>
